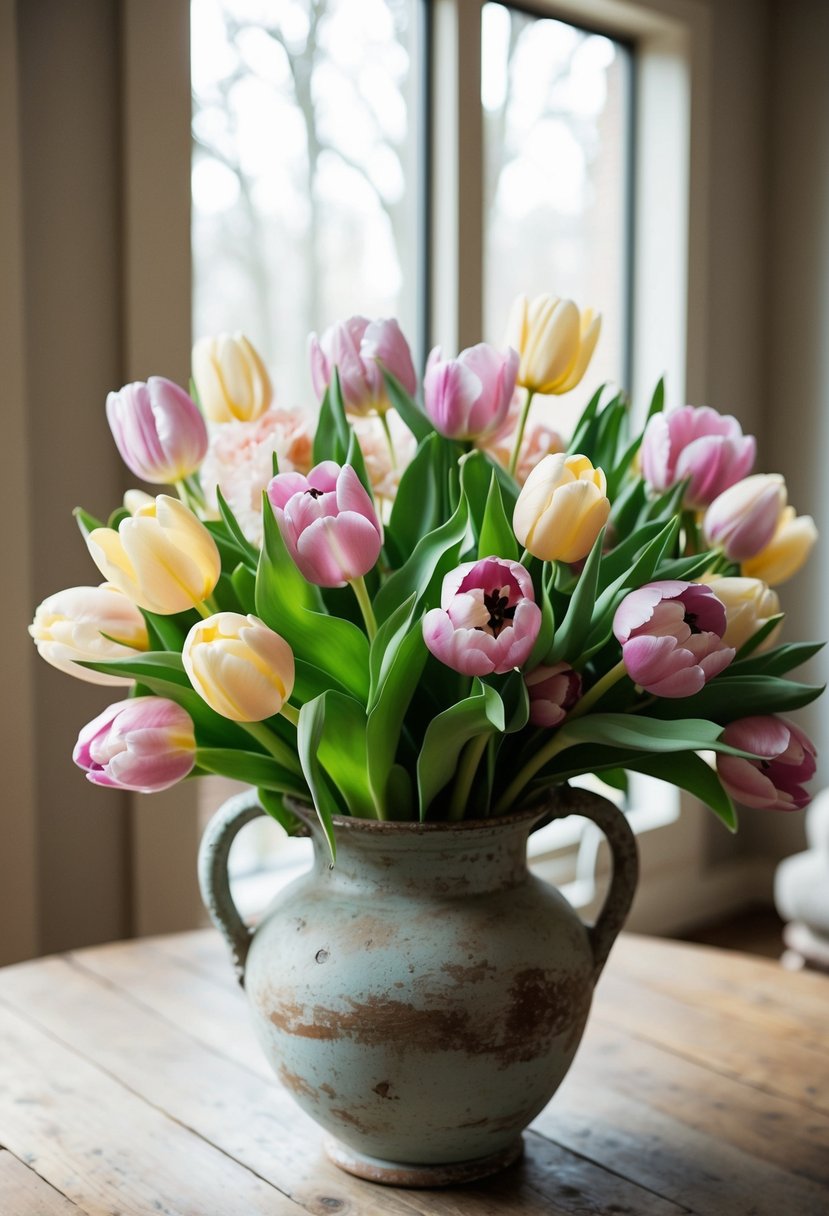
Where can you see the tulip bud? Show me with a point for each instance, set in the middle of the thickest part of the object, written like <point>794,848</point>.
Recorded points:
<point>671,637</point>
<point>785,760</point>
<point>488,619</point>
<point>328,523</point>
<point>562,508</point>
<point>143,744</point>
<point>360,349</point>
<point>469,397</point>
<point>231,379</point>
<point>137,500</point>
<point>742,520</point>
<point>749,605</point>
<point>787,550</point>
<point>163,557</point>
<point>697,444</point>
<point>555,342</point>
<point>89,625</point>
<point>240,667</point>
<point>158,430</point>
<point>553,691</point>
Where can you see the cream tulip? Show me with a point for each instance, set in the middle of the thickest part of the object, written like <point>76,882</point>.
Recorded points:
<point>240,667</point>
<point>163,557</point>
<point>231,380</point>
<point>89,625</point>
<point>562,508</point>
<point>554,340</point>
<point>749,604</point>
<point>787,550</point>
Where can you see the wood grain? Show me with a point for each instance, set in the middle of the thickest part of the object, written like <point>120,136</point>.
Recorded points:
<point>21,1190</point>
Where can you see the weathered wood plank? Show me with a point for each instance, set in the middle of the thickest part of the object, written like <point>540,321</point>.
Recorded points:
<point>23,1193</point>
<point>255,1122</point>
<point>103,1147</point>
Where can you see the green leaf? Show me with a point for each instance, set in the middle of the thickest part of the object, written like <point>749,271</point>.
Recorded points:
<point>687,568</point>
<point>757,639</point>
<point>419,504</point>
<point>776,662</point>
<point>354,457</point>
<point>411,413</point>
<point>170,631</point>
<point>447,735</point>
<point>573,631</point>
<point>309,734</point>
<point>638,574</point>
<point>250,767</point>
<point>332,435</point>
<point>657,404</point>
<point>690,772</point>
<point>585,422</point>
<point>542,644</point>
<point>669,504</point>
<point>274,804</point>
<point>727,698</point>
<point>342,751</point>
<point>434,556</point>
<point>387,641</point>
<point>475,476</point>
<point>646,734</point>
<point>86,522</point>
<point>250,554</point>
<point>496,536</point>
<point>399,671</point>
<point>244,584</point>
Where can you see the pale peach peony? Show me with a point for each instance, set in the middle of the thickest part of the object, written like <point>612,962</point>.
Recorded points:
<point>239,460</point>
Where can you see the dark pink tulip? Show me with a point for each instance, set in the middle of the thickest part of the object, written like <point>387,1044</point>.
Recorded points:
<point>700,443</point>
<point>553,691</point>
<point>469,397</point>
<point>144,744</point>
<point>328,523</point>
<point>774,781</point>
<point>671,637</point>
<point>488,619</point>
<point>360,349</point>
<point>158,430</point>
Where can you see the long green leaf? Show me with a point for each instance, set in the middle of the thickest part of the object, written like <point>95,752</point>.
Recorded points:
<point>309,734</point>
<point>434,555</point>
<point>252,768</point>
<point>776,662</point>
<point>342,751</point>
<point>727,698</point>
<point>496,536</point>
<point>408,409</point>
<point>690,772</point>
<point>447,735</point>
<point>398,676</point>
<point>250,553</point>
<point>572,632</point>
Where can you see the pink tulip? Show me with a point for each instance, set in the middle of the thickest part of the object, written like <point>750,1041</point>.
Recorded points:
<point>553,691</point>
<point>671,637</point>
<point>328,523</point>
<point>743,519</point>
<point>786,759</point>
<point>699,443</point>
<point>144,744</point>
<point>360,349</point>
<point>488,619</point>
<point>469,397</point>
<point>158,430</point>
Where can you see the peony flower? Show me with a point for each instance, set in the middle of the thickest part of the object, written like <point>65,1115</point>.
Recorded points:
<point>158,430</point>
<point>553,691</point>
<point>240,667</point>
<point>742,520</point>
<point>554,340</point>
<point>231,379</point>
<point>143,744</point>
<point>240,462</point>
<point>749,604</point>
<point>360,349</point>
<point>671,637</point>
<point>328,523</point>
<point>696,443</point>
<point>468,397</point>
<point>562,508</point>
<point>89,625</point>
<point>786,759</point>
<point>488,619</point>
<point>787,550</point>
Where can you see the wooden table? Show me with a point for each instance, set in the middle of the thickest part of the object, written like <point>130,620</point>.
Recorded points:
<point>130,1083</point>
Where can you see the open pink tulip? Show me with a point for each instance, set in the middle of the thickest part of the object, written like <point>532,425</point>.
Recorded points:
<point>158,430</point>
<point>697,443</point>
<point>360,349</point>
<point>328,523</point>
<point>742,520</point>
<point>488,619</point>
<point>671,637</point>
<point>553,691</point>
<point>786,759</point>
<point>469,397</point>
<point>144,744</point>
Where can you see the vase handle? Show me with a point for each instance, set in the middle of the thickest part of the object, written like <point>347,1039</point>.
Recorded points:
<point>625,853</point>
<point>214,881</point>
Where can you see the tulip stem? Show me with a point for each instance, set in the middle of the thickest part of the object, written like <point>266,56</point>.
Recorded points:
<point>203,609</point>
<point>519,434</point>
<point>509,797</point>
<point>384,422</point>
<point>467,769</point>
<point>280,751</point>
<point>358,585</point>
<point>288,711</point>
<point>598,690</point>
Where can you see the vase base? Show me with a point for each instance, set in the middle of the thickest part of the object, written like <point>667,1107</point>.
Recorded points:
<point>401,1173</point>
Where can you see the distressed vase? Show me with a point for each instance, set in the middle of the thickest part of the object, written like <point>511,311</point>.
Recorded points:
<point>423,998</point>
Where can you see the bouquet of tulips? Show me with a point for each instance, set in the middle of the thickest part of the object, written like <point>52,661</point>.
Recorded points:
<point>428,606</point>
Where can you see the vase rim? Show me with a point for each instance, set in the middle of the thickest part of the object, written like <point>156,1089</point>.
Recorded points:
<point>391,827</point>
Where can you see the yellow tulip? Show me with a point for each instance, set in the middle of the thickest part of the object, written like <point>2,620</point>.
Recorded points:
<point>554,340</point>
<point>240,667</point>
<point>787,550</point>
<point>749,603</point>
<point>231,380</point>
<point>89,625</point>
<point>562,508</point>
<point>163,557</point>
